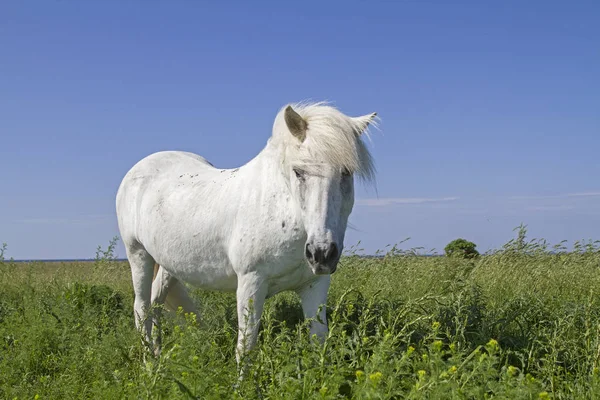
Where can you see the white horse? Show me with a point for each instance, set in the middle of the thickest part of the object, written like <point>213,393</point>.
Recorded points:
<point>277,223</point>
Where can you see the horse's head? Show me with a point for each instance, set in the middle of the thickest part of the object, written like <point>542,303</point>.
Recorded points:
<point>324,151</point>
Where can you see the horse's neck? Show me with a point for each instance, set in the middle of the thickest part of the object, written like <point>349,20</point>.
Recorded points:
<point>267,177</point>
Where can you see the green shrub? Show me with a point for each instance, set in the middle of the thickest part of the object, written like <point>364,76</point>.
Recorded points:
<point>461,248</point>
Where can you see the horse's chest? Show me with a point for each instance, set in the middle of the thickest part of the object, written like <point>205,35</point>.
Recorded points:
<point>285,266</point>
<point>290,277</point>
<point>271,239</point>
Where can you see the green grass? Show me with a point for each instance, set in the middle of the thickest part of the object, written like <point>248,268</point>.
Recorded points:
<point>519,323</point>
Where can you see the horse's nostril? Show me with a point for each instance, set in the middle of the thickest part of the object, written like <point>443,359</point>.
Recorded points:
<point>307,252</point>
<point>332,252</point>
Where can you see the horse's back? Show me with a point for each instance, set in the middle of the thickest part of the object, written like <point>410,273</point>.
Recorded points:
<point>163,161</point>
<point>146,178</point>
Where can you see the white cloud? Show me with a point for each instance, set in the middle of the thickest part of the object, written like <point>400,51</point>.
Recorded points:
<point>386,201</point>
<point>557,196</point>
<point>551,208</point>
<point>83,219</point>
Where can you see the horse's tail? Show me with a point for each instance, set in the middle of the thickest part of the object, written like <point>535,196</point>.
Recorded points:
<point>177,295</point>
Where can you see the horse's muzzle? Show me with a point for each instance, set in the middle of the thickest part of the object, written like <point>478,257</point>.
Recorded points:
<point>323,270</point>
<point>322,259</point>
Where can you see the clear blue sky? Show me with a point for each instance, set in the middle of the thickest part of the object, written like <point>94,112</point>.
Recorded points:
<point>490,110</point>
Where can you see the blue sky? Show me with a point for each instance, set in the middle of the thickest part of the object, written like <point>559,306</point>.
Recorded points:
<point>489,110</point>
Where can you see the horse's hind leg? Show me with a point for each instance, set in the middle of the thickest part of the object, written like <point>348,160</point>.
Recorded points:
<point>170,291</point>
<point>160,288</point>
<point>178,297</point>
<point>166,289</point>
<point>141,263</point>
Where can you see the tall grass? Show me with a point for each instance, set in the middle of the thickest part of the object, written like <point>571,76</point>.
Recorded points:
<point>519,322</point>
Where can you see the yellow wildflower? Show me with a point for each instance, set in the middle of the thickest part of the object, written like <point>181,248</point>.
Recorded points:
<point>375,377</point>
<point>492,345</point>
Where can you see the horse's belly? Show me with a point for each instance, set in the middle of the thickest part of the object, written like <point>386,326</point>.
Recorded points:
<point>206,276</point>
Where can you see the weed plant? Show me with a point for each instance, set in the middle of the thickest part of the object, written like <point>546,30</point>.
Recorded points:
<point>521,322</point>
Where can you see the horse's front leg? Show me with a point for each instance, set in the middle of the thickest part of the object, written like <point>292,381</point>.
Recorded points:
<point>314,305</point>
<point>251,295</point>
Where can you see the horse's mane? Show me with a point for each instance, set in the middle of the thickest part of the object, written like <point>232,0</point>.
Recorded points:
<point>331,137</point>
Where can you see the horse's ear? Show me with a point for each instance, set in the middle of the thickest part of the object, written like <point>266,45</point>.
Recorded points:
<point>364,122</point>
<point>295,123</point>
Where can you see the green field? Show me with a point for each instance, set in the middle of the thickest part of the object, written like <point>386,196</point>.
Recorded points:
<point>522,322</point>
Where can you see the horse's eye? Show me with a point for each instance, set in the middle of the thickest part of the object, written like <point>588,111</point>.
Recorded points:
<point>299,173</point>
<point>345,172</point>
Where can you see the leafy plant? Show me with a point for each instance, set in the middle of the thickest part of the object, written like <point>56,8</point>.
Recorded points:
<point>520,323</point>
<point>461,248</point>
